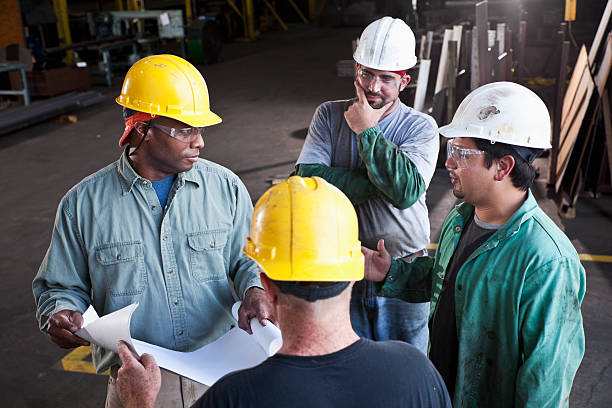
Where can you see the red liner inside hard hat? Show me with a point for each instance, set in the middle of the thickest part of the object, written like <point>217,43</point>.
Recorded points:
<point>130,122</point>
<point>400,73</point>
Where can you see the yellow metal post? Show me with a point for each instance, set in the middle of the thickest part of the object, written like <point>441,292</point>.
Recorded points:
<point>188,9</point>
<point>314,8</point>
<point>275,14</point>
<point>570,10</point>
<point>63,29</point>
<point>250,19</point>
<point>119,5</point>
<point>297,9</point>
<point>235,7</point>
<point>312,4</point>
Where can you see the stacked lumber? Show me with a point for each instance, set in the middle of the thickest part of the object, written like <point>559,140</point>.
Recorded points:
<point>581,158</point>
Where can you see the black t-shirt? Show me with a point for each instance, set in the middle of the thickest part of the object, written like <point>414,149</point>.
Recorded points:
<point>365,374</point>
<point>444,344</point>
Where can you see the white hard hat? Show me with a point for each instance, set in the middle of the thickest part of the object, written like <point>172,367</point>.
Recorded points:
<point>502,112</point>
<point>386,44</point>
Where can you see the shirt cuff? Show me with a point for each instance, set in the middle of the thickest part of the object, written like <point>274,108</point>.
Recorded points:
<point>389,287</point>
<point>369,133</point>
<point>253,283</point>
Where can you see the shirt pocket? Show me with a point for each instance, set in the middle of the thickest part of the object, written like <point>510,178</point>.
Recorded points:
<point>122,266</point>
<point>206,255</point>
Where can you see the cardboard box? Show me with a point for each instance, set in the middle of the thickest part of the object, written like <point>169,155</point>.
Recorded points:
<point>52,82</point>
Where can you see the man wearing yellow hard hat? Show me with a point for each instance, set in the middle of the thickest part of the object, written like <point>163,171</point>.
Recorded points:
<point>160,227</point>
<point>304,235</point>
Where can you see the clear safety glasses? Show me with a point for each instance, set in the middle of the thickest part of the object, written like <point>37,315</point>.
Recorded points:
<point>186,135</point>
<point>386,80</point>
<point>460,155</point>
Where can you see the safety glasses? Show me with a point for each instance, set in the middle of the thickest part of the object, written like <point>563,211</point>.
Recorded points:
<point>387,81</point>
<point>460,155</point>
<point>186,135</point>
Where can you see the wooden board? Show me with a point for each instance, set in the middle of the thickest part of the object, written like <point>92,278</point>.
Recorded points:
<point>568,120</point>
<point>570,93</point>
<point>604,67</point>
<point>482,23</point>
<point>603,24</point>
<point>570,130</point>
<point>422,81</point>
<point>607,115</point>
<point>440,80</point>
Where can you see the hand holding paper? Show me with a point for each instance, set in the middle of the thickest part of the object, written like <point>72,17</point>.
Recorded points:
<point>233,351</point>
<point>138,380</point>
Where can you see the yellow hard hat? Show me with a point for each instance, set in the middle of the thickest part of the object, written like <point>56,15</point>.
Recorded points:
<point>305,229</point>
<point>167,85</point>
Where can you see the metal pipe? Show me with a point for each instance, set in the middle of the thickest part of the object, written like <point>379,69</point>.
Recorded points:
<point>275,14</point>
<point>297,9</point>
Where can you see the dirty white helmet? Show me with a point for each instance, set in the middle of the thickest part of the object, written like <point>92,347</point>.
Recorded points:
<point>502,112</point>
<point>386,44</point>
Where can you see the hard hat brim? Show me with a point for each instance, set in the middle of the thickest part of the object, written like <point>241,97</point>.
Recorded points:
<point>208,118</point>
<point>453,132</point>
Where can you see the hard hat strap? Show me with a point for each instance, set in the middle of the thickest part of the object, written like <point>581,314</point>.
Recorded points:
<point>141,140</point>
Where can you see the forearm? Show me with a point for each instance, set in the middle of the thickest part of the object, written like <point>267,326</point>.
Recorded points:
<point>354,183</point>
<point>389,170</point>
<point>410,282</point>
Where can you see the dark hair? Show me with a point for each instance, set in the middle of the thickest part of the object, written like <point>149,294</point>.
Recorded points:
<point>522,174</point>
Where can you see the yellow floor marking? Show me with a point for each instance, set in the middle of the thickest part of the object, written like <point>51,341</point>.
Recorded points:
<point>596,258</point>
<point>78,360</point>
<point>583,257</point>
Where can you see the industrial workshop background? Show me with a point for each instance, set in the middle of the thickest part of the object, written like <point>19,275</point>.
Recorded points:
<point>268,64</point>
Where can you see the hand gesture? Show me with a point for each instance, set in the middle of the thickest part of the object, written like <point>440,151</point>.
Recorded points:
<point>360,115</point>
<point>377,263</point>
<point>138,379</point>
<point>255,304</point>
<point>63,325</point>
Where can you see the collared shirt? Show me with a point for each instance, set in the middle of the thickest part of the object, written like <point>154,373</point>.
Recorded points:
<point>331,142</point>
<point>113,245</point>
<point>517,306</point>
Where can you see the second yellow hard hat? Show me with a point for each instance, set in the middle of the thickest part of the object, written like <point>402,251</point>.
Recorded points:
<point>305,229</point>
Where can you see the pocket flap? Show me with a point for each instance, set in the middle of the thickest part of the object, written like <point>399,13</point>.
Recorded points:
<point>109,254</point>
<point>207,240</point>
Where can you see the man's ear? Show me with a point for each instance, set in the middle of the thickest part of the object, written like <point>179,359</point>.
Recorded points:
<point>405,81</point>
<point>139,130</point>
<point>270,289</point>
<point>504,167</point>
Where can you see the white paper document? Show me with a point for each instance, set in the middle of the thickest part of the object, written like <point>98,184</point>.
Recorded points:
<point>235,350</point>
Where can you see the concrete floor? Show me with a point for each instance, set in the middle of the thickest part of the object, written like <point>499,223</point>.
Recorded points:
<point>266,93</point>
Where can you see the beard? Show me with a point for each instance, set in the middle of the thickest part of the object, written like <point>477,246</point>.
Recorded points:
<point>377,105</point>
<point>458,193</point>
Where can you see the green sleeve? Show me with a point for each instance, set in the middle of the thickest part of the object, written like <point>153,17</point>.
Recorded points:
<point>551,334</point>
<point>353,182</point>
<point>395,176</point>
<point>410,282</point>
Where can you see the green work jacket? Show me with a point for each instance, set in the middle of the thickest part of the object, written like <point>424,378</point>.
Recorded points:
<point>517,305</point>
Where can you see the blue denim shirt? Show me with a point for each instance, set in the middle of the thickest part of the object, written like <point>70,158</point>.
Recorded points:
<point>113,245</point>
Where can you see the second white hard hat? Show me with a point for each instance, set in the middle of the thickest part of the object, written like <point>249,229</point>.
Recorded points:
<point>386,44</point>
<point>502,112</point>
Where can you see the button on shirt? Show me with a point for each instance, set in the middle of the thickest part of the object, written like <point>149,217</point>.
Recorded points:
<point>113,245</point>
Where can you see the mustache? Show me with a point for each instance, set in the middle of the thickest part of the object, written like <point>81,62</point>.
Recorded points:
<point>373,94</point>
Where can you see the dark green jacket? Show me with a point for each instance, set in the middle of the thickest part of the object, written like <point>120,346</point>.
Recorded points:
<point>517,302</point>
